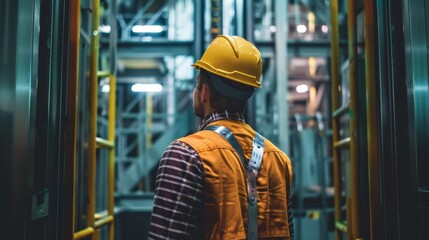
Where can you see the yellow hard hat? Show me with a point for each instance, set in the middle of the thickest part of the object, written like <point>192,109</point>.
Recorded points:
<point>233,58</point>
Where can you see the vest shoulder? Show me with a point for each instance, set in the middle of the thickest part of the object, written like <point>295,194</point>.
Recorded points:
<point>205,141</point>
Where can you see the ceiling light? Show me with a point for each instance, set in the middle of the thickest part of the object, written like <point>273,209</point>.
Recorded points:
<point>105,28</point>
<point>301,28</point>
<point>146,87</point>
<point>147,29</point>
<point>105,88</point>
<point>302,88</point>
<point>324,29</point>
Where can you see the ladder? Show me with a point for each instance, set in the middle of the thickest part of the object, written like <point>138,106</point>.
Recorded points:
<point>352,223</point>
<point>94,221</point>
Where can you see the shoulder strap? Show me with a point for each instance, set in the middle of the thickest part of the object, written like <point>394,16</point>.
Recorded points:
<point>252,170</point>
<point>227,134</point>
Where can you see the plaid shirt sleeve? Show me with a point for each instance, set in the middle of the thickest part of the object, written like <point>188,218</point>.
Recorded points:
<point>178,194</point>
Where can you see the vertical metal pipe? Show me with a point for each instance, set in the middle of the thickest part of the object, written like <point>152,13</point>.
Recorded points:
<point>93,92</point>
<point>239,16</point>
<point>281,73</point>
<point>72,96</point>
<point>112,118</point>
<point>216,18</point>
<point>111,165</point>
<point>247,30</point>
<point>371,118</point>
<point>353,114</point>
<point>113,37</point>
<point>335,59</point>
<point>248,19</point>
<point>199,29</point>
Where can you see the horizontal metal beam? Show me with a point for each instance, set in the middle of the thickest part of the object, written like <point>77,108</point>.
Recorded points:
<point>320,48</point>
<point>159,49</point>
<point>152,49</point>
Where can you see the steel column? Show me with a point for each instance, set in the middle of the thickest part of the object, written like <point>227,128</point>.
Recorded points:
<point>371,118</point>
<point>353,115</point>
<point>282,73</point>
<point>111,164</point>
<point>335,63</point>
<point>71,123</point>
<point>93,92</point>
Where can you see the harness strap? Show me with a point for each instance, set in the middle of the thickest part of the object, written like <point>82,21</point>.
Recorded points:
<point>227,134</point>
<point>252,170</point>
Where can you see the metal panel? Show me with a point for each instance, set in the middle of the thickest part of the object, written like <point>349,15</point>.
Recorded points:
<point>416,40</point>
<point>18,66</point>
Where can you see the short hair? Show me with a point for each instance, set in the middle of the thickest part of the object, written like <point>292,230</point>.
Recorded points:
<point>219,101</point>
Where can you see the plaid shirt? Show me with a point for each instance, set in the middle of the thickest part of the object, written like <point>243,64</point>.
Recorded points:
<point>179,193</point>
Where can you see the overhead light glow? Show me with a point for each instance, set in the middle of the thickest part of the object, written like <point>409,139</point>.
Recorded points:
<point>105,88</point>
<point>301,28</point>
<point>273,28</point>
<point>105,28</point>
<point>146,87</point>
<point>324,29</point>
<point>302,88</point>
<point>147,29</point>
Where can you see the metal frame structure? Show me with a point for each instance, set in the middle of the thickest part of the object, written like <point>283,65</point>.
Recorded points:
<point>145,126</point>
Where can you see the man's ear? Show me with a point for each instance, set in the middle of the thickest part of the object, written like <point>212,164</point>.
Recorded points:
<point>204,93</point>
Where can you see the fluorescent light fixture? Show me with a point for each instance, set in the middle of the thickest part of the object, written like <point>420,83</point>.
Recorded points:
<point>105,28</point>
<point>302,88</point>
<point>146,87</point>
<point>105,88</point>
<point>147,29</point>
<point>301,28</point>
<point>324,29</point>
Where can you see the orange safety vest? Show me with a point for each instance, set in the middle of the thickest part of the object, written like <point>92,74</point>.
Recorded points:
<point>225,190</point>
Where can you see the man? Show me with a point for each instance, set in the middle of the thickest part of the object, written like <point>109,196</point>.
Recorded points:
<point>206,187</point>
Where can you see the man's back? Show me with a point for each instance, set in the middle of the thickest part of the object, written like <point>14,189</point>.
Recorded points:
<point>225,190</point>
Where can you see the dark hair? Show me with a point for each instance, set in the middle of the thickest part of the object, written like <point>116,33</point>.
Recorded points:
<point>219,101</point>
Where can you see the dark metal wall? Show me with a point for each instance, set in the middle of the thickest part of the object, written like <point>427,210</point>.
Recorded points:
<point>403,113</point>
<point>33,67</point>
<point>18,68</point>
